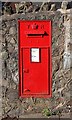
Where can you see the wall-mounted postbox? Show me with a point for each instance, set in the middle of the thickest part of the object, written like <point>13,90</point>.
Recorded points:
<point>35,58</point>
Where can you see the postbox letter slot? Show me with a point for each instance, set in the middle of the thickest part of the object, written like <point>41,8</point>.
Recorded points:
<point>36,34</point>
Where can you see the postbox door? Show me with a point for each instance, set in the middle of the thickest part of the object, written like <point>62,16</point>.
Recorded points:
<point>35,70</point>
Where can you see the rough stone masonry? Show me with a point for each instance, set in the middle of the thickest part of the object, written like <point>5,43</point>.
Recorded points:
<point>12,104</point>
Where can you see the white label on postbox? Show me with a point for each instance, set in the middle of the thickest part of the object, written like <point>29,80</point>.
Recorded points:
<point>35,54</point>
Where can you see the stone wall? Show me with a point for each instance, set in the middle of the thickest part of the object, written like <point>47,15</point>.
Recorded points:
<point>12,104</point>
<point>29,7</point>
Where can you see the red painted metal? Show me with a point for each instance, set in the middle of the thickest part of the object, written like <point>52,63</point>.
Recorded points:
<point>35,77</point>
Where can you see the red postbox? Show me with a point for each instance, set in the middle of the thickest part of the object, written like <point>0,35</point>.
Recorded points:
<point>35,69</point>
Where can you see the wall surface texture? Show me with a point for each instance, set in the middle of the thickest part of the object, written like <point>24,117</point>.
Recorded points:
<point>12,104</point>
